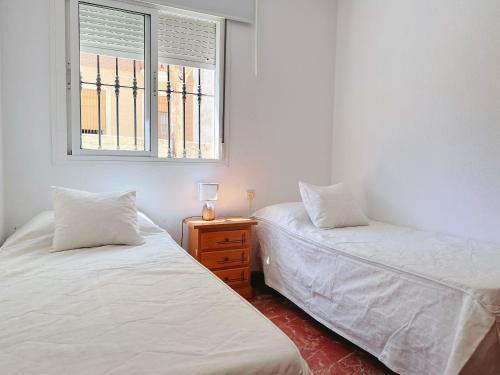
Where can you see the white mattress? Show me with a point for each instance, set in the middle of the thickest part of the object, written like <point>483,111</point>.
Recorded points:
<point>421,302</point>
<point>149,309</point>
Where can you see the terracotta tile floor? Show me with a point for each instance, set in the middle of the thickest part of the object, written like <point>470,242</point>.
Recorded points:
<point>326,352</point>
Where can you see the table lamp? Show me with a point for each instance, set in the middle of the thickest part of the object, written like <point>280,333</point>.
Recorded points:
<point>208,193</point>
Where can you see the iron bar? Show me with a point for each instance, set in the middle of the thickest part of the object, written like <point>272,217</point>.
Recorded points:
<point>124,86</point>
<point>199,113</point>
<point>184,96</point>
<point>98,88</point>
<point>142,88</point>
<point>134,93</point>
<point>117,93</point>
<point>178,92</point>
<point>169,92</point>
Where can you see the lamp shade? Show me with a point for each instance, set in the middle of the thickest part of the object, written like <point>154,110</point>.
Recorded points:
<point>208,191</point>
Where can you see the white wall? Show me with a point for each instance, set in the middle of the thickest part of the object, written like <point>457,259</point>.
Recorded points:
<point>2,214</point>
<point>417,112</point>
<point>279,123</point>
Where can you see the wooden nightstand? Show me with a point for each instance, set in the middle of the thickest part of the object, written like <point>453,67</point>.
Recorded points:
<point>223,245</point>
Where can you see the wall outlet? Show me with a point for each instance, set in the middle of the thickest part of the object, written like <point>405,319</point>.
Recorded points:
<point>250,194</point>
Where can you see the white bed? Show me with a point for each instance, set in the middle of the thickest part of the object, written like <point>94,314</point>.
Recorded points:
<point>422,302</point>
<point>148,309</point>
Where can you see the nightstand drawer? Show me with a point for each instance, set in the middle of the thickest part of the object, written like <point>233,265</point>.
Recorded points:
<point>234,277</point>
<point>223,245</point>
<point>225,239</point>
<point>226,258</point>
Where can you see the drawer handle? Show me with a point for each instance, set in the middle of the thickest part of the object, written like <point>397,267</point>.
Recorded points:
<point>229,280</point>
<point>228,241</point>
<point>235,260</point>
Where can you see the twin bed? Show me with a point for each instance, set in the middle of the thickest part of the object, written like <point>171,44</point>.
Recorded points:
<point>148,309</point>
<point>423,303</point>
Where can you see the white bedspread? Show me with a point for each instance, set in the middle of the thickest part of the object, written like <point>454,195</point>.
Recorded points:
<point>421,302</point>
<point>149,309</point>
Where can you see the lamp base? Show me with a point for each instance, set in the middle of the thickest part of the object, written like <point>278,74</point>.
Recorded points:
<point>208,211</point>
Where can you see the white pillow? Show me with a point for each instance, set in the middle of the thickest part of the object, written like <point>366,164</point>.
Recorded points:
<point>41,226</point>
<point>84,219</point>
<point>331,206</point>
<point>146,225</point>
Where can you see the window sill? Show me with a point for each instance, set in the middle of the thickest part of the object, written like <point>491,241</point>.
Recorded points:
<point>141,160</point>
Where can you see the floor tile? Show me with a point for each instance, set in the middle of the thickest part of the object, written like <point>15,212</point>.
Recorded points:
<point>326,352</point>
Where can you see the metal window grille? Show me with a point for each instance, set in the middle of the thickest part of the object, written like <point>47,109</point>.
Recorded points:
<point>184,43</point>
<point>101,109</point>
<point>120,35</point>
<point>165,106</point>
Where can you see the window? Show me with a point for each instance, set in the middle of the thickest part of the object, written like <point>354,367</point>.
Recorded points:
<point>144,81</point>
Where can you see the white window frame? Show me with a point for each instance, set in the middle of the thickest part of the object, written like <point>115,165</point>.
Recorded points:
<point>65,95</point>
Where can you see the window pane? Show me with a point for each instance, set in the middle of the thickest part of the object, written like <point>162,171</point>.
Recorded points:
<point>176,125</point>
<point>163,70</point>
<point>191,79</point>
<point>89,116</point>
<point>112,71</point>
<point>193,123</point>
<point>209,137</point>
<point>207,82</point>
<point>88,67</point>
<point>191,126</point>
<point>176,77</point>
<point>162,125</point>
